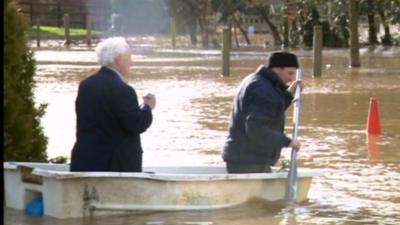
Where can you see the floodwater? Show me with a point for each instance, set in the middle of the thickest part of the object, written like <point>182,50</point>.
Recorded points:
<point>361,175</point>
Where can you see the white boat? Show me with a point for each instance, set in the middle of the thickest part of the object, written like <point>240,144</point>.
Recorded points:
<point>78,194</point>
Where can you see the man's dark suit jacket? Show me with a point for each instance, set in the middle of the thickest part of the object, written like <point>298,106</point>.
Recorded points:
<point>109,124</point>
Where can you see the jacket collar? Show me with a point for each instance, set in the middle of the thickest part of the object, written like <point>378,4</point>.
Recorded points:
<point>109,70</point>
<point>272,77</point>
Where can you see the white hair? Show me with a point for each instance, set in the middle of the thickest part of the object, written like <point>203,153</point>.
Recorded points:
<point>108,50</point>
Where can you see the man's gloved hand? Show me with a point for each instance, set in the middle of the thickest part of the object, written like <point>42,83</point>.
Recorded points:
<point>296,144</point>
<point>150,100</point>
<point>293,85</point>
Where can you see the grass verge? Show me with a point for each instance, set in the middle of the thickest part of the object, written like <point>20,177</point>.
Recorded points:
<point>50,32</point>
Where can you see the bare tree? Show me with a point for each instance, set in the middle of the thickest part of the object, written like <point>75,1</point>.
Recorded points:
<point>194,13</point>
<point>230,10</point>
<point>370,7</point>
<point>382,11</point>
<point>237,23</point>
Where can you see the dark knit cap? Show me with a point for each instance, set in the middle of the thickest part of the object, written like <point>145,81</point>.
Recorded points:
<point>282,59</point>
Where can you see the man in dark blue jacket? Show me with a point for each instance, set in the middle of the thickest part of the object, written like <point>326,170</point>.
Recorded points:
<point>256,129</point>
<point>109,117</point>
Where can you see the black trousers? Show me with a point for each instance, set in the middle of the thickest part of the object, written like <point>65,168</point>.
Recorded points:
<point>247,168</point>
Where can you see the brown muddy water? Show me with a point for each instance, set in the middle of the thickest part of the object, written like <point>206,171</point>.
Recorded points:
<point>360,182</point>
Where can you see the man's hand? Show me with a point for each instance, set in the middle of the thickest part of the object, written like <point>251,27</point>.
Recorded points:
<point>293,85</point>
<point>150,100</point>
<point>296,144</point>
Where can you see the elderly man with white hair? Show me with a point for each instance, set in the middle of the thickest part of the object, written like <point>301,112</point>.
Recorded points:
<point>109,117</point>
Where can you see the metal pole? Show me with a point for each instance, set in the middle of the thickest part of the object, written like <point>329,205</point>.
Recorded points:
<point>292,175</point>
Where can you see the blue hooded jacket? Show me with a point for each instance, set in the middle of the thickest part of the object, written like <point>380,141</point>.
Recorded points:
<point>256,129</point>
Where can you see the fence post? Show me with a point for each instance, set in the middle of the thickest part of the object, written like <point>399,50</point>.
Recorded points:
<point>173,31</point>
<point>225,51</point>
<point>317,51</point>
<point>66,29</point>
<point>38,32</point>
<point>88,30</point>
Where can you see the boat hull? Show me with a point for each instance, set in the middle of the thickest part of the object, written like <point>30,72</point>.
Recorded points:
<point>78,194</point>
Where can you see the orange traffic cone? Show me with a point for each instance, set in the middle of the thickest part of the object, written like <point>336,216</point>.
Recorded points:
<point>373,123</point>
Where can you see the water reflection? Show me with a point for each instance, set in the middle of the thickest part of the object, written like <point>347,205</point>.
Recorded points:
<point>361,176</point>
<point>260,214</point>
<point>373,142</point>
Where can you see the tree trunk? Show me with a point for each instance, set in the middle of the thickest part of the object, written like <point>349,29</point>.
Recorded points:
<point>192,28</point>
<point>199,12</point>
<point>372,35</point>
<point>354,44</point>
<point>204,32</point>
<point>191,21</point>
<point>387,38</point>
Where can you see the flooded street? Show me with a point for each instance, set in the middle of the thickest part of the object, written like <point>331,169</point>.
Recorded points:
<point>360,182</point>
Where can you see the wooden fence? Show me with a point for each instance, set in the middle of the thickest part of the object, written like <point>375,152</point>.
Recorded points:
<point>51,12</point>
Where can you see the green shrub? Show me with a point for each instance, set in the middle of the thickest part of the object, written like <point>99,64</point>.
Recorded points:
<point>23,136</point>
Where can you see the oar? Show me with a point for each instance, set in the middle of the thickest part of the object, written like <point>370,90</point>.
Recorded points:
<point>292,175</point>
